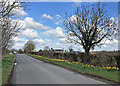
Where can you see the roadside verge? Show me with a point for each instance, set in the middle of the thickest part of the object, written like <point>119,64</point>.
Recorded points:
<point>7,67</point>
<point>108,76</point>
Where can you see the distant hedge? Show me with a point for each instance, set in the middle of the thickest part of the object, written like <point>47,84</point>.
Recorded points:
<point>96,59</point>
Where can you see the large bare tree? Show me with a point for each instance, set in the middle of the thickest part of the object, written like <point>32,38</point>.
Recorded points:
<point>9,24</point>
<point>10,28</point>
<point>89,26</point>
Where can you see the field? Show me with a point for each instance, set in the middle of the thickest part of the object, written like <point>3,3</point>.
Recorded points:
<point>7,65</point>
<point>110,73</point>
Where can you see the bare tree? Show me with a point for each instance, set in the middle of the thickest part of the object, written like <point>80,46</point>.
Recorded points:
<point>9,25</point>
<point>7,6</point>
<point>89,26</point>
<point>9,30</point>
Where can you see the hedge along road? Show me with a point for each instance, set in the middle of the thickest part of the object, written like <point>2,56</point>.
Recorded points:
<point>33,71</point>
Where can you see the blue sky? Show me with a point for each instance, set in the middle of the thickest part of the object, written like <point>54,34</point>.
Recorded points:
<point>43,24</point>
<point>54,8</point>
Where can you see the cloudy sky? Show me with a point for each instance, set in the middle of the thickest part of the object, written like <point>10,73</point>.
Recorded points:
<point>43,24</point>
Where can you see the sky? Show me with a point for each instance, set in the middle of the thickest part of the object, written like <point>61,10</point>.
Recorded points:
<point>43,24</point>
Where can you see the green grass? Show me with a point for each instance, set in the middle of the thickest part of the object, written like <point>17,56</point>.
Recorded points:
<point>0,70</point>
<point>7,65</point>
<point>104,73</point>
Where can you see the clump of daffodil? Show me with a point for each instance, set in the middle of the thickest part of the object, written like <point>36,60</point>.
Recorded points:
<point>80,64</point>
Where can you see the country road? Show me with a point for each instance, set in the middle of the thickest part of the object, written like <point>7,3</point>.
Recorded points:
<point>32,71</point>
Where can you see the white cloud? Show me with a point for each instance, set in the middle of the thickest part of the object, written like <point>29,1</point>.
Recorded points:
<point>107,47</point>
<point>58,32</point>
<point>48,40</point>
<point>18,12</point>
<point>112,18</point>
<point>42,42</point>
<point>17,39</point>
<point>29,33</point>
<point>18,45</point>
<point>74,18</point>
<point>114,41</point>
<point>39,41</point>
<point>47,16</point>
<point>58,16</point>
<point>58,22</point>
<point>63,40</point>
<point>32,24</point>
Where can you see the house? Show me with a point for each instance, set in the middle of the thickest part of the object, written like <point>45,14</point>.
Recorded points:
<point>76,52</point>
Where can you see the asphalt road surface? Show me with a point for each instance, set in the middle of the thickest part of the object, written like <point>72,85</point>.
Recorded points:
<point>32,71</point>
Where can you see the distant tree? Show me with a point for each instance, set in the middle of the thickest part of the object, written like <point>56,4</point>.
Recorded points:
<point>40,50</point>
<point>29,46</point>
<point>25,51</point>
<point>20,51</point>
<point>89,26</point>
<point>70,49</point>
<point>79,50</point>
<point>46,48</point>
<point>52,49</point>
<point>12,50</point>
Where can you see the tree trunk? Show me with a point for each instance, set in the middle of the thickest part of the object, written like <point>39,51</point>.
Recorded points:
<point>118,61</point>
<point>3,51</point>
<point>86,56</point>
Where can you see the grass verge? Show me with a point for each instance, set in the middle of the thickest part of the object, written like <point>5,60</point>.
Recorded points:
<point>107,74</point>
<point>0,71</point>
<point>7,65</point>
